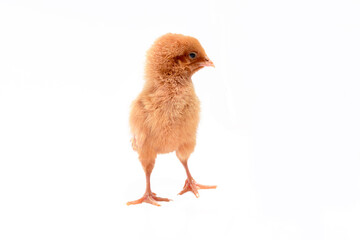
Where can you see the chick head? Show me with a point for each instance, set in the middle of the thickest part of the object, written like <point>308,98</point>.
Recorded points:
<point>176,54</point>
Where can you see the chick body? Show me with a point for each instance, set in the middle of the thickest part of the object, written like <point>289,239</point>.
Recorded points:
<point>163,119</point>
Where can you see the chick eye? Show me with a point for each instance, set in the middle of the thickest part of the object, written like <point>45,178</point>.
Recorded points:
<point>192,55</point>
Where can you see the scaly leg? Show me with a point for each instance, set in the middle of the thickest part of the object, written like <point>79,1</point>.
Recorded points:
<point>191,185</point>
<point>148,197</point>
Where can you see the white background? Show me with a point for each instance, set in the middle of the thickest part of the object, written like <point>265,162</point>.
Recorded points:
<point>279,132</point>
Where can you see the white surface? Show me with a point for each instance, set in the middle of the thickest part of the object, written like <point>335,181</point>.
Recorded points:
<point>279,132</point>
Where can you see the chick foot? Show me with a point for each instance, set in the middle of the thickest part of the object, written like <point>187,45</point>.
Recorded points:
<point>149,198</point>
<point>193,187</point>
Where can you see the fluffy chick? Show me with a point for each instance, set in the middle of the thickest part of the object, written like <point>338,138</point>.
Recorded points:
<point>165,116</point>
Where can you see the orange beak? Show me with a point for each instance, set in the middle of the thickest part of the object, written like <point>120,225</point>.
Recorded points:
<point>207,63</point>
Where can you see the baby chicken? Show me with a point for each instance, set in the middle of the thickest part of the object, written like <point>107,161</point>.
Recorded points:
<point>165,116</point>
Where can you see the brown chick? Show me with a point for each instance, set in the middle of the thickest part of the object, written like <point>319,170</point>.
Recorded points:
<point>165,116</point>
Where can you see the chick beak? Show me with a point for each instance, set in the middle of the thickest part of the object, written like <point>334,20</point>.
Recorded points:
<point>207,63</point>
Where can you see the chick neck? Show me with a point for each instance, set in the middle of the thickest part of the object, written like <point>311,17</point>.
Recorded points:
<point>169,76</point>
<point>170,83</point>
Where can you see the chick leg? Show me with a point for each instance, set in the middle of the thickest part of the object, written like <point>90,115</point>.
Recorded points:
<point>183,154</point>
<point>149,196</point>
<point>191,185</point>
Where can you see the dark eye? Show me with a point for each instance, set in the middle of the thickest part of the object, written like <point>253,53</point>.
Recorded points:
<point>192,55</point>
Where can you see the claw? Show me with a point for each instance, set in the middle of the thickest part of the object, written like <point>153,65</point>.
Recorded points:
<point>149,198</point>
<point>193,187</point>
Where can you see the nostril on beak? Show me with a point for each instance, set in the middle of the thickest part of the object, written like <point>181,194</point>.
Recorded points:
<point>207,62</point>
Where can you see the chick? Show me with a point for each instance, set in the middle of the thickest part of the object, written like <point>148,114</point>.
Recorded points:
<point>165,116</point>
